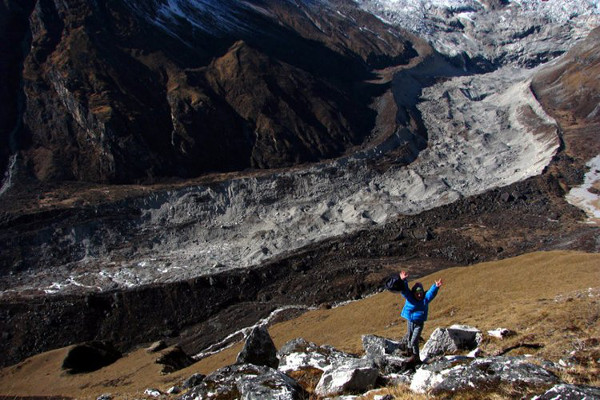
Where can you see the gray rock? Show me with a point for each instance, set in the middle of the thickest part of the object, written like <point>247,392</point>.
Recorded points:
<point>451,340</point>
<point>259,349</point>
<point>298,345</point>
<point>393,364</point>
<point>174,390</point>
<point>157,346</point>
<point>452,376</point>
<point>247,382</point>
<point>193,380</point>
<point>348,375</point>
<point>379,346</point>
<point>298,354</point>
<point>571,392</point>
<point>501,333</point>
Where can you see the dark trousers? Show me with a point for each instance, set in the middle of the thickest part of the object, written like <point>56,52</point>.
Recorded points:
<point>413,335</point>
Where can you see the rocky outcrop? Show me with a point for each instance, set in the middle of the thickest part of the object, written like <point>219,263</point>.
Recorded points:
<point>90,356</point>
<point>444,376</point>
<point>341,374</point>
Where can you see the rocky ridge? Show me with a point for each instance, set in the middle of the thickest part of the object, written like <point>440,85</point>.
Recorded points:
<point>336,374</point>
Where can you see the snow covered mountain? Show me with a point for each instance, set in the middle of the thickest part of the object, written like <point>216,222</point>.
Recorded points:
<point>522,32</point>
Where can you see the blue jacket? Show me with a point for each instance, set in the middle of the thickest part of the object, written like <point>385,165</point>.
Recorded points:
<point>415,310</point>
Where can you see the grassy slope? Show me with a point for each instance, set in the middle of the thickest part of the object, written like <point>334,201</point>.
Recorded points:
<point>544,297</point>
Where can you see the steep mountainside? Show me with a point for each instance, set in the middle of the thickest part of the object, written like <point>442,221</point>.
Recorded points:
<point>120,91</point>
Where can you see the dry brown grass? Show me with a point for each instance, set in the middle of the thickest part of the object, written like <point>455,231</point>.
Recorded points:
<point>548,298</point>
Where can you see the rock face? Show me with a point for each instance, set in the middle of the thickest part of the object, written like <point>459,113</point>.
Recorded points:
<point>133,90</point>
<point>569,91</point>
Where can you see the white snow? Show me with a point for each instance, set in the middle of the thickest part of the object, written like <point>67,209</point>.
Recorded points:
<point>7,181</point>
<point>515,33</point>
<point>583,196</point>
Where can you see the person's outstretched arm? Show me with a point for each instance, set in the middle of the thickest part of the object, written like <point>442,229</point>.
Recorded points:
<point>432,292</point>
<point>404,278</point>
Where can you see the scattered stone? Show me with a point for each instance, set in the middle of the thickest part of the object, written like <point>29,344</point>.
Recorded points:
<point>193,380</point>
<point>380,346</point>
<point>174,390</point>
<point>348,375</point>
<point>174,359</point>
<point>248,382</point>
<point>90,356</point>
<point>501,333</point>
<point>259,349</point>
<point>157,346</point>
<point>506,197</point>
<point>152,392</point>
<point>443,376</point>
<point>566,391</point>
<point>475,353</point>
<point>451,340</point>
<point>106,396</point>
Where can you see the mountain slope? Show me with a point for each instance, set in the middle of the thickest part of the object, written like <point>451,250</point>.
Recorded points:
<point>547,294</point>
<point>120,91</point>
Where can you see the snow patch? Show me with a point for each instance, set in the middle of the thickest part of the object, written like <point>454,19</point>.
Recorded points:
<point>587,196</point>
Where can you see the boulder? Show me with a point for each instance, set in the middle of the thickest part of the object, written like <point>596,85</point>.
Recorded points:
<point>380,346</point>
<point>174,359</point>
<point>500,333</point>
<point>451,340</point>
<point>394,364</point>
<point>90,356</point>
<point>193,380</point>
<point>157,346</point>
<point>248,382</point>
<point>358,374</point>
<point>566,391</point>
<point>443,376</point>
<point>298,354</point>
<point>259,349</point>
